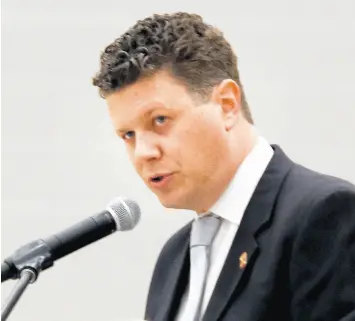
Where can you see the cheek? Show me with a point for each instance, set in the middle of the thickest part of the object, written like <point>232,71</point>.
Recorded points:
<point>202,147</point>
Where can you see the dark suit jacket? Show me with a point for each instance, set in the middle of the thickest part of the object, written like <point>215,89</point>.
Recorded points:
<point>299,235</point>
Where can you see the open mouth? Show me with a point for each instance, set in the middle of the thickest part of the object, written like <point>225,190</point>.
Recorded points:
<point>157,178</point>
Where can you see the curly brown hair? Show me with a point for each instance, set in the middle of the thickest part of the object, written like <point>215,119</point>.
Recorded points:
<point>192,50</point>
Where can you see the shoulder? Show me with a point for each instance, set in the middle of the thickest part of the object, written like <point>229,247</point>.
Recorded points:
<point>322,259</point>
<point>329,208</point>
<point>323,209</point>
<point>308,190</point>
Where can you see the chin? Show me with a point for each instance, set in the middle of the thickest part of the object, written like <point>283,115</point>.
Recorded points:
<point>171,203</point>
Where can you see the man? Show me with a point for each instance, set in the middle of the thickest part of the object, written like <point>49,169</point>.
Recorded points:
<point>281,238</point>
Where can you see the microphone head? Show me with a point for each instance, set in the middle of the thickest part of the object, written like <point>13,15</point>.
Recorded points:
<point>125,212</point>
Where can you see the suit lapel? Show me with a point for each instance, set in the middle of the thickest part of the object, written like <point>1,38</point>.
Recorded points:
<point>245,246</point>
<point>177,278</point>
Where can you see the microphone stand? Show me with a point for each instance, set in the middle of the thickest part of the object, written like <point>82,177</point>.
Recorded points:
<point>25,265</point>
<point>27,276</point>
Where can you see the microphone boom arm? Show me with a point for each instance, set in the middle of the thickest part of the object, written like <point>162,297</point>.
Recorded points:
<point>27,276</point>
<point>26,264</point>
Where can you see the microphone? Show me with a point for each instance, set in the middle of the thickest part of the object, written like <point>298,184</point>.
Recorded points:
<point>121,214</point>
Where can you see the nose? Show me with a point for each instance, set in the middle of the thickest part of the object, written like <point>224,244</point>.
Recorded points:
<point>146,148</point>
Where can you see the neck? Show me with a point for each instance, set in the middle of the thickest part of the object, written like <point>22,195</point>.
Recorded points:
<point>240,145</point>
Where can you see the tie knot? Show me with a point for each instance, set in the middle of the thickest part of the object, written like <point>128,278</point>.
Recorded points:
<point>204,230</point>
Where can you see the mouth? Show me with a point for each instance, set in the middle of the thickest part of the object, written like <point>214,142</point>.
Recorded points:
<point>159,180</point>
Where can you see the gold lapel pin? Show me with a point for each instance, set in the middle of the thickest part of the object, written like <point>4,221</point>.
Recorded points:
<point>243,260</point>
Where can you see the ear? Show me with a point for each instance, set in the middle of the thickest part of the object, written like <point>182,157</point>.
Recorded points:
<point>228,96</point>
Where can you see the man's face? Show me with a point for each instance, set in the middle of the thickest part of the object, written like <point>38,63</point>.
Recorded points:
<point>177,145</point>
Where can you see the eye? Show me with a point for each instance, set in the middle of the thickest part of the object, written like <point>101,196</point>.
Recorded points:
<point>160,119</point>
<point>128,135</point>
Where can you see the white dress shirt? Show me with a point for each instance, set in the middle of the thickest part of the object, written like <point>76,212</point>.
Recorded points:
<point>230,207</point>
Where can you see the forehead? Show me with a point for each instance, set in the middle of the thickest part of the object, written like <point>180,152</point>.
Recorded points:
<point>158,91</point>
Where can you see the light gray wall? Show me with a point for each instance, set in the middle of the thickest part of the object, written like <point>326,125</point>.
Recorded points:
<point>62,162</point>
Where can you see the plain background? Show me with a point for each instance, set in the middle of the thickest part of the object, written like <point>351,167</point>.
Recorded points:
<point>61,161</point>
